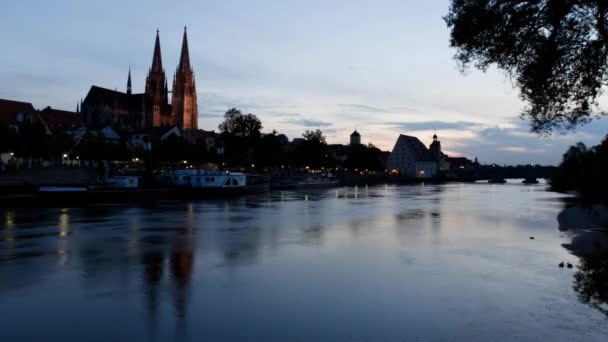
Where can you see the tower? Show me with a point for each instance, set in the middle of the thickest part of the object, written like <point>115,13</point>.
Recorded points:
<point>156,95</point>
<point>184,101</point>
<point>129,83</point>
<point>435,148</point>
<point>355,138</point>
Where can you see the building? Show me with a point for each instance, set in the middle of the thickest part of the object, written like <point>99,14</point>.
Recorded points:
<point>210,139</point>
<point>412,159</point>
<point>15,113</point>
<point>355,138</point>
<point>102,106</point>
<point>60,120</point>
<point>437,154</point>
<point>156,97</point>
<point>184,102</point>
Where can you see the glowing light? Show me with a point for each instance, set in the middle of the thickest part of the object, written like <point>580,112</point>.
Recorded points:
<point>65,155</point>
<point>12,154</point>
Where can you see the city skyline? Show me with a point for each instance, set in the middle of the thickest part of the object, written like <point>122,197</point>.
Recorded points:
<point>329,66</point>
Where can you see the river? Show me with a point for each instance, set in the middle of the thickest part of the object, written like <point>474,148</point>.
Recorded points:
<point>452,262</point>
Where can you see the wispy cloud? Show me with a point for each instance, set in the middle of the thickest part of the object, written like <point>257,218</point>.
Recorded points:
<point>307,122</point>
<point>432,125</point>
<point>362,108</point>
<point>521,149</point>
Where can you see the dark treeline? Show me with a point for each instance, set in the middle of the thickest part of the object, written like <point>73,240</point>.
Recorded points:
<point>584,170</point>
<point>518,171</point>
<point>243,145</point>
<point>246,146</point>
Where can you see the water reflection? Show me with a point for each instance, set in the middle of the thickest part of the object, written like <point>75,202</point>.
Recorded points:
<point>589,243</point>
<point>354,263</point>
<point>591,281</point>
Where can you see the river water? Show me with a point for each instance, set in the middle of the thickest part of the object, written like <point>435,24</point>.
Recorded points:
<point>452,262</point>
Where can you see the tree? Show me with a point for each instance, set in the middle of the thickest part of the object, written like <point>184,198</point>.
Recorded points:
<point>584,170</point>
<point>314,136</point>
<point>555,51</point>
<point>240,125</point>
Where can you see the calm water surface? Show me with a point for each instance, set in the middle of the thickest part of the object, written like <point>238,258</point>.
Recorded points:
<point>385,263</point>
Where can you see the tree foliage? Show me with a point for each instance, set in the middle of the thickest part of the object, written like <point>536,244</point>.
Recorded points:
<point>241,125</point>
<point>555,51</point>
<point>584,170</point>
<point>315,136</point>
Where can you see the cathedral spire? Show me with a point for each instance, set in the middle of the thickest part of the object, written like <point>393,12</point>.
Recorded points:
<point>129,83</point>
<point>157,62</point>
<point>184,60</point>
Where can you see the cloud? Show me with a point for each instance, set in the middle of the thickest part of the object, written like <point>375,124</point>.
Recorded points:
<point>432,125</point>
<point>521,149</point>
<point>307,122</point>
<point>362,108</point>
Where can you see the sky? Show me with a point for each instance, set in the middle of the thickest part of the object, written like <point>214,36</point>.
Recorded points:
<point>383,67</point>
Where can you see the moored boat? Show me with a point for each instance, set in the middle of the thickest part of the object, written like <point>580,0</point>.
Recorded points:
<point>530,180</point>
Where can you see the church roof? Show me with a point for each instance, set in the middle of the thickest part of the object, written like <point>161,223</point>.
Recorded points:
<point>114,99</point>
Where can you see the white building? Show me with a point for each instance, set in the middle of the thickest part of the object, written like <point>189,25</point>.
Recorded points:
<point>411,158</point>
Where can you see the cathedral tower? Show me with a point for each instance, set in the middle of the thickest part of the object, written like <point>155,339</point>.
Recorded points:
<point>157,99</point>
<point>129,90</point>
<point>184,102</point>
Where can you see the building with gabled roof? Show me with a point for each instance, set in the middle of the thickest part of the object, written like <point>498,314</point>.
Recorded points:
<point>412,159</point>
<point>17,112</point>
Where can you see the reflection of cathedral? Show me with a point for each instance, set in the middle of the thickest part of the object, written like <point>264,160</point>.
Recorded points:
<point>103,107</point>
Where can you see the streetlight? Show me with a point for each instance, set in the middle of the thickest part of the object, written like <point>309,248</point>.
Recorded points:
<point>65,155</point>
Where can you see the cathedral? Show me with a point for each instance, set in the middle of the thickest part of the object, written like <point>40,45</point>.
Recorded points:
<point>102,107</point>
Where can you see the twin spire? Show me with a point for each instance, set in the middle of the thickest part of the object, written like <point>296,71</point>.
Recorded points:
<point>184,60</point>
<point>157,61</point>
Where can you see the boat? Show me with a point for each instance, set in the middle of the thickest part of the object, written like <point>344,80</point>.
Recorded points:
<point>202,182</point>
<point>530,180</point>
<point>204,179</point>
<point>497,181</point>
<point>122,182</point>
<point>62,189</point>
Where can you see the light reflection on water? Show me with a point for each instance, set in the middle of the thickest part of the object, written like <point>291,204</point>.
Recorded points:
<point>381,263</point>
